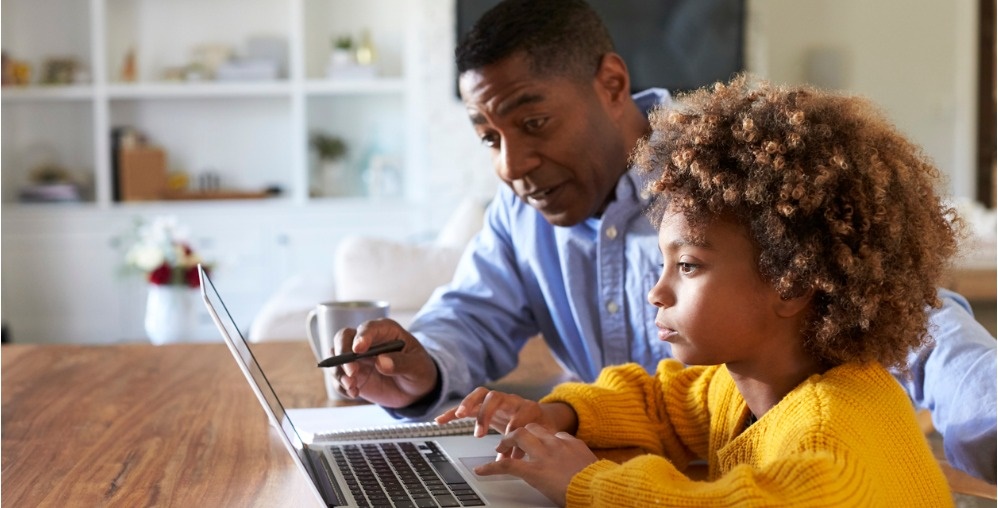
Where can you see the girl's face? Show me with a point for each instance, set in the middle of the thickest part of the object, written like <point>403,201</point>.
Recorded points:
<point>713,305</point>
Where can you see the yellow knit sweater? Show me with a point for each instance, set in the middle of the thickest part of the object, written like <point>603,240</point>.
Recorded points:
<point>847,437</point>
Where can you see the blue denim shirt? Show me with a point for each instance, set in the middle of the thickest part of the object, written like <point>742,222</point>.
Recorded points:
<point>585,289</point>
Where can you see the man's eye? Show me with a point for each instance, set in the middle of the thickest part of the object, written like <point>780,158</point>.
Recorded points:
<point>534,124</point>
<point>490,140</point>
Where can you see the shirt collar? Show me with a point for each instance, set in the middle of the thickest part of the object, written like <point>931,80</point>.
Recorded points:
<point>646,100</point>
<point>630,193</point>
<point>633,184</point>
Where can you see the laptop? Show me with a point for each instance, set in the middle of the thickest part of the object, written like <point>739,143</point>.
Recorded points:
<point>419,472</point>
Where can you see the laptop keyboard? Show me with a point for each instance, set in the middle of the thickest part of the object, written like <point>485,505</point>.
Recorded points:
<point>409,473</point>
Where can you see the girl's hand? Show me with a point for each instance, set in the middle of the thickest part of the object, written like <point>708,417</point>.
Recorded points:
<point>505,412</point>
<point>547,461</point>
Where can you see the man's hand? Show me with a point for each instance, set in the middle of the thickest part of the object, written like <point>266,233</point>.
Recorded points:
<point>391,380</point>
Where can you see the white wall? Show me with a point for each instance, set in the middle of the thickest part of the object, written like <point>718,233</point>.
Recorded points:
<point>915,58</point>
<point>457,164</point>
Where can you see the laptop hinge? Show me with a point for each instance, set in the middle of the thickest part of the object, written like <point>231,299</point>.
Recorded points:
<point>331,492</point>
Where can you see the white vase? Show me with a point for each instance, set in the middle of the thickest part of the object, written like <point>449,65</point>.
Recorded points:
<point>170,314</point>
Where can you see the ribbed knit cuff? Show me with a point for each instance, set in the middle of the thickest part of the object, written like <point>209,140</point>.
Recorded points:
<point>580,488</point>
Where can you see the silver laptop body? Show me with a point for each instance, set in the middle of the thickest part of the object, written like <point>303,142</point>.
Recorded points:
<point>336,484</point>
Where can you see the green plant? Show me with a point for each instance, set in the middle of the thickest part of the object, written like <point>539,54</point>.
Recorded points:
<point>343,42</point>
<point>328,147</point>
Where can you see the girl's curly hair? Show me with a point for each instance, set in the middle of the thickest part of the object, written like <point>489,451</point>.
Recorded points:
<point>837,201</point>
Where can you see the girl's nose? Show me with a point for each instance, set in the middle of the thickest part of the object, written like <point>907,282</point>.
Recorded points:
<point>661,295</point>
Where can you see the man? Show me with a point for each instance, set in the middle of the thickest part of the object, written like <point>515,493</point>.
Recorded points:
<point>567,251</point>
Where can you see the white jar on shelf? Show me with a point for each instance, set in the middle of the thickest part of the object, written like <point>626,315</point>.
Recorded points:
<point>336,178</point>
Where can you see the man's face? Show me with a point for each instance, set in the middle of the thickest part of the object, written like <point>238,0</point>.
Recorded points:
<point>553,141</point>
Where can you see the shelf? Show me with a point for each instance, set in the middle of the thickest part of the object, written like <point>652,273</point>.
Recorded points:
<point>212,89</point>
<point>354,86</point>
<point>47,93</point>
<point>215,195</point>
<point>320,207</point>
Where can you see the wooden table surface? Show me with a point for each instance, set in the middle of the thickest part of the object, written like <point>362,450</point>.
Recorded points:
<point>177,425</point>
<point>140,425</point>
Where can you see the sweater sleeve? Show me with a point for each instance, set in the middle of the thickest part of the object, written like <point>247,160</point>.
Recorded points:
<point>807,479</point>
<point>665,414</point>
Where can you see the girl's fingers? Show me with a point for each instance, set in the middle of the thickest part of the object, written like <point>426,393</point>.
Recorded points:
<point>526,439</point>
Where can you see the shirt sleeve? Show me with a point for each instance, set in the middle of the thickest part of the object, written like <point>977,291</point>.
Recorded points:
<point>955,379</point>
<point>475,326</point>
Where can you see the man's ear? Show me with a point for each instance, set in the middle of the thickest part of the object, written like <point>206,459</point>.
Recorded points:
<point>612,81</point>
<point>790,307</point>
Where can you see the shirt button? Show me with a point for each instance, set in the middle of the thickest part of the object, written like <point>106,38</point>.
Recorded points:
<point>611,232</point>
<point>612,307</point>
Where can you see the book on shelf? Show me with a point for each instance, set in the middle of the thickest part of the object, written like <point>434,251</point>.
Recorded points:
<point>49,193</point>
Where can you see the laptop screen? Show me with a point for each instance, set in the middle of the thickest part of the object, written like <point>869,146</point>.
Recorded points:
<point>247,362</point>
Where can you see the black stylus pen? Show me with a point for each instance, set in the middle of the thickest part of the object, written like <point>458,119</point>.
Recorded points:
<point>387,347</point>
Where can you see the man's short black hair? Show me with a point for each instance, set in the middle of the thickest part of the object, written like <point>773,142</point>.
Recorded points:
<point>559,37</point>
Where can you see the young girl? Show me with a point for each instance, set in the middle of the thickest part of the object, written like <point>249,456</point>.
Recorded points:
<point>802,241</point>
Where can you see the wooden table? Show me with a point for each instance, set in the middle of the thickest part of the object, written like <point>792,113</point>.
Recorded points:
<point>975,284</point>
<point>177,425</point>
<point>140,425</point>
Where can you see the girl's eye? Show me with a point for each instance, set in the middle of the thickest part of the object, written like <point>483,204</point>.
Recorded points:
<point>686,268</point>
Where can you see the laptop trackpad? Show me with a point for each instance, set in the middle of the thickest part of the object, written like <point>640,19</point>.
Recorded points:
<point>472,462</point>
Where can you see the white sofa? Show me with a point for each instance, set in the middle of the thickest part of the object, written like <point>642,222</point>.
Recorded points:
<point>365,268</point>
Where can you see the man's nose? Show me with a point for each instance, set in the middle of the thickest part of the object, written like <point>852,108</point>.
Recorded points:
<point>516,160</point>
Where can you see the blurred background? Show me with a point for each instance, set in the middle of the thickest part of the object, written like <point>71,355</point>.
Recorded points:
<point>270,130</point>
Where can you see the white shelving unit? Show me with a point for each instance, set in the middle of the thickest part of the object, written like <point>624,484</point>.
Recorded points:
<point>254,134</point>
<point>61,261</point>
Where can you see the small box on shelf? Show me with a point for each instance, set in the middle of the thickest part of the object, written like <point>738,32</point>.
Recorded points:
<point>247,70</point>
<point>142,173</point>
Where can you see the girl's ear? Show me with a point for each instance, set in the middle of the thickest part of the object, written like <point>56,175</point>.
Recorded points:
<point>791,307</point>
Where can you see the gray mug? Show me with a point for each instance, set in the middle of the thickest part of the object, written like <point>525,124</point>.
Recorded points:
<point>327,318</point>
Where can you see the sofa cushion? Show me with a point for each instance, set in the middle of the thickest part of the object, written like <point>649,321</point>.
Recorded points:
<point>404,274</point>
<point>283,315</point>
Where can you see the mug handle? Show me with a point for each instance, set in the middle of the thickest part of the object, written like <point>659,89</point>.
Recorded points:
<point>313,334</point>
